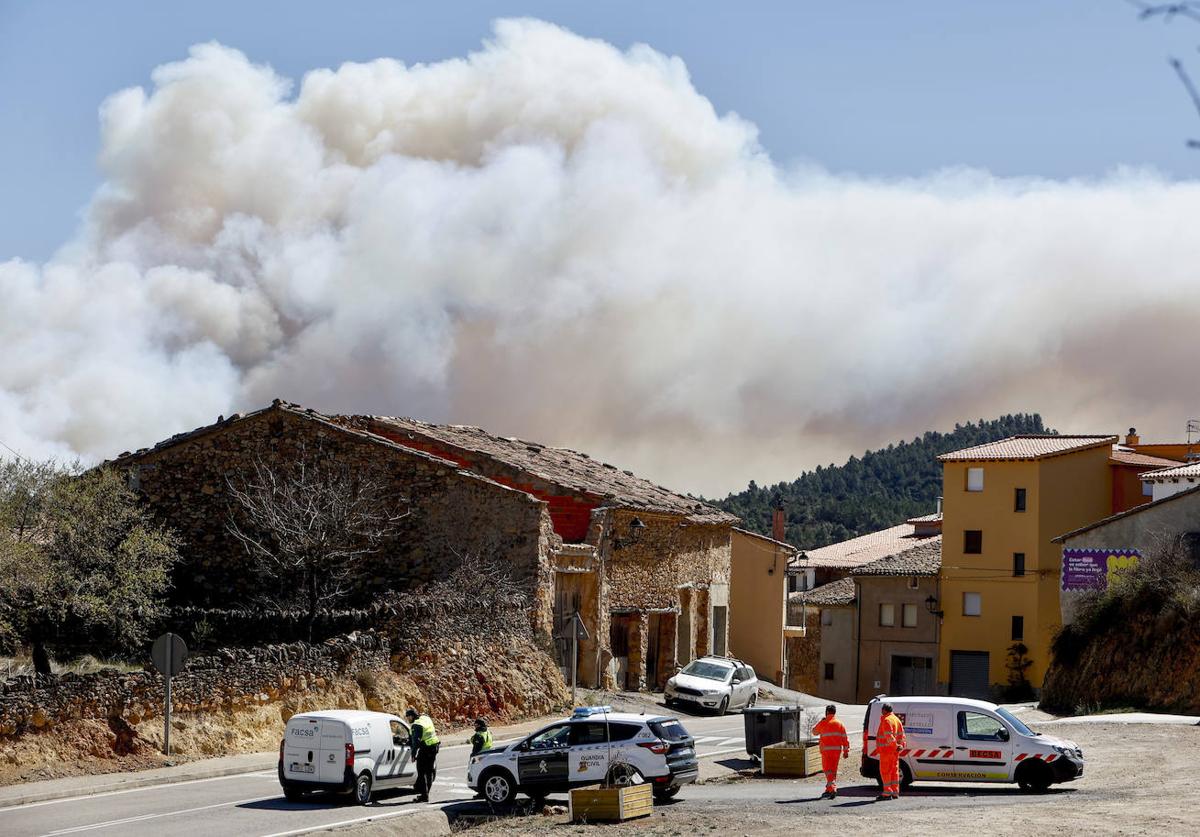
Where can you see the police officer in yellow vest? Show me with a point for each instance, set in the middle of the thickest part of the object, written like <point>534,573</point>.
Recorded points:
<point>482,739</point>
<point>425,745</point>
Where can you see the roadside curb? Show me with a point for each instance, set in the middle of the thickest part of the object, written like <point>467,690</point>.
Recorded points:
<point>133,782</point>
<point>432,822</point>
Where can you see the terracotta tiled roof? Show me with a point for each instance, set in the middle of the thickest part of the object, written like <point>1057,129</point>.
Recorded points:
<point>560,466</point>
<point>1027,447</point>
<point>1124,456</point>
<point>1176,471</point>
<point>922,559</point>
<point>833,594</point>
<point>863,549</point>
<point>927,518</point>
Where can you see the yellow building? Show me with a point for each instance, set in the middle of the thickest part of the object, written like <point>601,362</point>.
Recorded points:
<point>1003,504</point>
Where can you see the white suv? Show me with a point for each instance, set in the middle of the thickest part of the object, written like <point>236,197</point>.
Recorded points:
<point>720,683</point>
<point>593,745</point>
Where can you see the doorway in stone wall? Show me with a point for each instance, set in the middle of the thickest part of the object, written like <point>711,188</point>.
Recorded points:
<point>683,633</point>
<point>620,628</point>
<point>660,649</point>
<point>720,615</point>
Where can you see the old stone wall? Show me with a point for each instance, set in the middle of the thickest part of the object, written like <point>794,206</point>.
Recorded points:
<point>804,655</point>
<point>450,512</point>
<point>669,553</point>
<point>238,700</point>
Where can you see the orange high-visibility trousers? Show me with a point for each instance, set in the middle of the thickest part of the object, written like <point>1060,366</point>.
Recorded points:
<point>829,763</point>
<point>889,770</point>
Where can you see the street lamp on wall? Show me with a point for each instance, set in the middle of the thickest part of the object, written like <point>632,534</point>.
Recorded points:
<point>931,605</point>
<point>636,527</point>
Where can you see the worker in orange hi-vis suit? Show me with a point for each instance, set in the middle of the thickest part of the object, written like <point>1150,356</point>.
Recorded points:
<point>889,739</point>
<point>834,746</point>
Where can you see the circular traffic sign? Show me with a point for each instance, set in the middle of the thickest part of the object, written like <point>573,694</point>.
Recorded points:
<point>168,654</point>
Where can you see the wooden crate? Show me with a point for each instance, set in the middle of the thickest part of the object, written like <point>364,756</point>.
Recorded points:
<point>595,803</point>
<point>791,759</point>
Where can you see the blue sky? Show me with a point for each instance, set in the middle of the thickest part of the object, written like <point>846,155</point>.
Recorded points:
<point>1054,88</point>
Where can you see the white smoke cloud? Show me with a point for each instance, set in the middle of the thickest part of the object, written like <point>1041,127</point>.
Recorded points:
<point>559,240</point>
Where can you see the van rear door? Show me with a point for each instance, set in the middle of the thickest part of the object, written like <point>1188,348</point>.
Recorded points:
<point>335,735</point>
<point>302,749</point>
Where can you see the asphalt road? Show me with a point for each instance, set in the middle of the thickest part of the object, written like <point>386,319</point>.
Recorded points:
<point>252,803</point>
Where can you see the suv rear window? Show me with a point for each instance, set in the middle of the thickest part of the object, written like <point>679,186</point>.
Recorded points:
<point>595,732</point>
<point>668,730</point>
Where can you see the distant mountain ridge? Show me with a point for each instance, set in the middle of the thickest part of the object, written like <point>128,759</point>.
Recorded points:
<point>883,488</point>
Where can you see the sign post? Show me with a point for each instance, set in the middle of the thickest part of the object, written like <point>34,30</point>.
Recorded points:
<point>576,630</point>
<point>168,653</point>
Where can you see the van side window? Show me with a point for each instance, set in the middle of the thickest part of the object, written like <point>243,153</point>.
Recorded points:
<point>975,726</point>
<point>398,729</point>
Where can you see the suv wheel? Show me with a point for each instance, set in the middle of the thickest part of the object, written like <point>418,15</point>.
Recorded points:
<point>623,775</point>
<point>666,793</point>
<point>497,788</point>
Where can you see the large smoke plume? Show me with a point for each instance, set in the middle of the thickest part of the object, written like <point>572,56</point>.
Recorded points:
<point>559,240</point>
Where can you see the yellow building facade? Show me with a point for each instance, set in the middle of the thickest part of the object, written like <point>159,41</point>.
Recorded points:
<point>1003,503</point>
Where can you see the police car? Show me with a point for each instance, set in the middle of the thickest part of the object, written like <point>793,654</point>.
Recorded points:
<point>594,745</point>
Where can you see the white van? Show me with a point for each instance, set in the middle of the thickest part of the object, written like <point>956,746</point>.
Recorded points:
<point>344,750</point>
<point>961,740</point>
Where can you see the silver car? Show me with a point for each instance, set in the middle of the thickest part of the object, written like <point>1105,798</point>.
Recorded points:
<point>718,683</point>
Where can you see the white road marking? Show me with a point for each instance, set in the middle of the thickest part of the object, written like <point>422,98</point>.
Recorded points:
<point>723,752</point>
<point>85,796</point>
<point>728,741</point>
<point>144,817</point>
<point>704,738</point>
<point>329,825</point>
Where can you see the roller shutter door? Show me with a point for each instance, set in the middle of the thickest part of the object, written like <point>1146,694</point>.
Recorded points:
<point>969,674</point>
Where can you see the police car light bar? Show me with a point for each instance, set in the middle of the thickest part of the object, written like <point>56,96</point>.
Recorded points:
<point>584,711</point>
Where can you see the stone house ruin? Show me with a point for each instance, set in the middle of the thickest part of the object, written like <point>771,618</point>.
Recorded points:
<point>647,569</point>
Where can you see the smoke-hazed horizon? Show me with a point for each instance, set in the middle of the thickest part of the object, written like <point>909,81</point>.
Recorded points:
<point>558,240</point>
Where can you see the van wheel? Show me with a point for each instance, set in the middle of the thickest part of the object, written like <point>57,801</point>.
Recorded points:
<point>497,788</point>
<point>362,789</point>
<point>906,777</point>
<point>1034,777</point>
<point>293,795</point>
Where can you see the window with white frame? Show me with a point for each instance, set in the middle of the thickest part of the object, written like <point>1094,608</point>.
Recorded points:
<point>908,616</point>
<point>974,479</point>
<point>972,604</point>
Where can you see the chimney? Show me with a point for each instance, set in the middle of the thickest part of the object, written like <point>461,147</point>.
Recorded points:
<point>1132,438</point>
<point>777,526</point>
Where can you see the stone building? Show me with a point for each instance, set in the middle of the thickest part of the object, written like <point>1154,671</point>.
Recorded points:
<point>647,569</point>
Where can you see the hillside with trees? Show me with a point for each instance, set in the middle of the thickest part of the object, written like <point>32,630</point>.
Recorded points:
<point>880,489</point>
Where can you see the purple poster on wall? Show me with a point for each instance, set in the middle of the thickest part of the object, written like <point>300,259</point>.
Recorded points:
<point>1094,569</point>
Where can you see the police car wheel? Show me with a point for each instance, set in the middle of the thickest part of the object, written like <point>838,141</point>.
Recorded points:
<point>666,793</point>
<point>497,788</point>
<point>362,789</point>
<point>623,775</point>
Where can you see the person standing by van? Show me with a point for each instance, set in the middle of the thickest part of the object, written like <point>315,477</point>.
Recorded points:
<point>482,739</point>
<point>835,745</point>
<point>425,746</point>
<point>889,739</point>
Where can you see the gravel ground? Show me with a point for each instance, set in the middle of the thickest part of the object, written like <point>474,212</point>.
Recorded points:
<point>1139,780</point>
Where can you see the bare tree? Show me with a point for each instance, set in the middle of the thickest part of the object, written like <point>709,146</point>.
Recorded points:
<point>311,522</point>
<point>1187,10</point>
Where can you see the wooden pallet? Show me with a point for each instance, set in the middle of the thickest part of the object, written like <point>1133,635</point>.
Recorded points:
<point>595,803</point>
<point>791,759</point>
